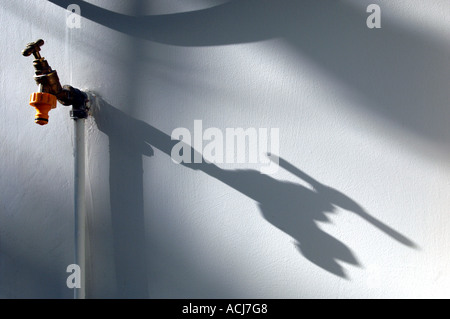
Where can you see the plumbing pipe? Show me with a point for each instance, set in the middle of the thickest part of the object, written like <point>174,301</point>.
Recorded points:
<point>79,113</point>
<point>80,206</point>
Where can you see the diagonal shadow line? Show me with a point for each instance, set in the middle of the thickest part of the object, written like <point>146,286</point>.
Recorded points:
<point>401,75</point>
<point>290,207</point>
<point>207,27</point>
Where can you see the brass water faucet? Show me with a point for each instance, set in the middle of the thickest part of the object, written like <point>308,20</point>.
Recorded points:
<point>50,89</point>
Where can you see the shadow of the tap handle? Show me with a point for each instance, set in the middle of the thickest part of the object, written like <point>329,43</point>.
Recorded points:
<point>339,199</point>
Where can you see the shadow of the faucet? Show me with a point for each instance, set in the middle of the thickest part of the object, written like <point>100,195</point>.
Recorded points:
<point>290,207</point>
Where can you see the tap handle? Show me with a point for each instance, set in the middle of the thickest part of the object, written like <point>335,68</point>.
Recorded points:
<point>33,48</point>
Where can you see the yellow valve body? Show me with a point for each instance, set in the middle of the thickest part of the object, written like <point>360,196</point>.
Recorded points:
<point>43,103</point>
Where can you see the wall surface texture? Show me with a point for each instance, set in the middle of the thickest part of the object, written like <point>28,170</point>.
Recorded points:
<point>357,209</point>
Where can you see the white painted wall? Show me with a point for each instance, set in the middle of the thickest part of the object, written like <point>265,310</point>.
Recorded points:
<point>362,111</point>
